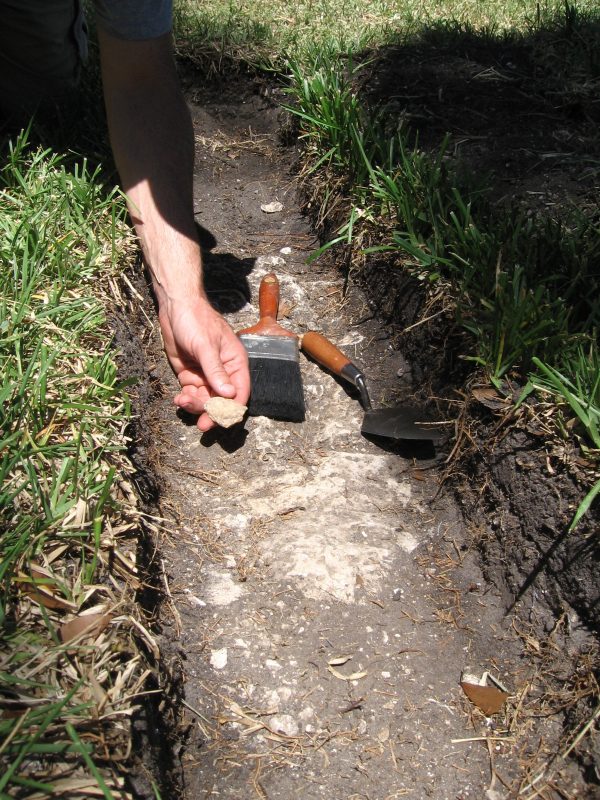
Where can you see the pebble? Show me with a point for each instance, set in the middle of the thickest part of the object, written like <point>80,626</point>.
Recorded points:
<point>268,262</point>
<point>284,723</point>
<point>218,658</point>
<point>196,601</point>
<point>272,208</point>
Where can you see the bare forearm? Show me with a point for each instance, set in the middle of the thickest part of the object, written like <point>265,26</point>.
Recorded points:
<point>152,140</point>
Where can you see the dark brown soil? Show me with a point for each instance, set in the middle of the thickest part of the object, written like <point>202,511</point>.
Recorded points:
<point>254,637</point>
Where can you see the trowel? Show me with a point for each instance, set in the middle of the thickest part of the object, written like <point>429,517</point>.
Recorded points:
<point>395,422</point>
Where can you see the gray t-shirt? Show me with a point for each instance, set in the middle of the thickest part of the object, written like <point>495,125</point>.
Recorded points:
<point>134,19</point>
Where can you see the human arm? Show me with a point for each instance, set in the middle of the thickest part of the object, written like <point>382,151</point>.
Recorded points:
<point>152,140</point>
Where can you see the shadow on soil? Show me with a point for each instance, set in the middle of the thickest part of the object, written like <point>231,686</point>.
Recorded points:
<point>522,111</point>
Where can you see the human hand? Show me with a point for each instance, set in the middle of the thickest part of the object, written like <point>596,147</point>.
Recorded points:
<point>206,355</point>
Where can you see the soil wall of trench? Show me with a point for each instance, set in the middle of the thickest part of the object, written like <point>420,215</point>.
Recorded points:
<point>518,493</point>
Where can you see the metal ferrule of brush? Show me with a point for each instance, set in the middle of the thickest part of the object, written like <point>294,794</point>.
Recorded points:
<point>351,373</point>
<point>281,348</point>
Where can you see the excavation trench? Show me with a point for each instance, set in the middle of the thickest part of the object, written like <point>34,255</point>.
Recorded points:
<point>322,597</point>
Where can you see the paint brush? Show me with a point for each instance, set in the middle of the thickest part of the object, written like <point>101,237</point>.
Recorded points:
<point>273,352</point>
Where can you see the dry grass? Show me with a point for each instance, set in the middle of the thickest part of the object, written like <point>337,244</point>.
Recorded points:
<point>75,651</point>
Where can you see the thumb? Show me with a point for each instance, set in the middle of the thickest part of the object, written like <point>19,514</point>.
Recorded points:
<point>216,375</point>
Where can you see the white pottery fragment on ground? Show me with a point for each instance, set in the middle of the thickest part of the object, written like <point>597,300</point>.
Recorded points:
<point>272,208</point>
<point>218,658</point>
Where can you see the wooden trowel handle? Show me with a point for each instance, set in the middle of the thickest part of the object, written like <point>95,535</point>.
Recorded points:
<point>325,352</point>
<point>268,306</point>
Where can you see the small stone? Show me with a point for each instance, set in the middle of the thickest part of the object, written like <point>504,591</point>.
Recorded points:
<point>196,601</point>
<point>384,734</point>
<point>225,412</point>
<point>272,208</point>
<point>306,714</point>
<point>218,658</point>
<point>284,723</point>
<point>285,693</point>
<point>269,262</point>
<point>273,701</point>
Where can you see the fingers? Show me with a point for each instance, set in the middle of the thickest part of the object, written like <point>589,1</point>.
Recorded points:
<point>207,357</point>
<point>226,368</point>
<point>191,399</point>
<point>216,375</point>
<point>229,380</point>
<point>225,375</point>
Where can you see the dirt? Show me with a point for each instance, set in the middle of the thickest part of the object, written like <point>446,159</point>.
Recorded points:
<point>322,593</point>
<point>529,126</point>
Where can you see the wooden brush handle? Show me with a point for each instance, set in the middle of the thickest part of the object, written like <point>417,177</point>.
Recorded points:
<point>325,352</point>
<point>268,306</point>
<point>268,297</point>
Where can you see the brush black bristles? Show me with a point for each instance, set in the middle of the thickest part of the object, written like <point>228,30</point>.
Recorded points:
<point>276,389</point>
<point>276,383</point>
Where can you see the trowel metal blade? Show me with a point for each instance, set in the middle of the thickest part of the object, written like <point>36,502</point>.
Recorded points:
<point>399,423</point>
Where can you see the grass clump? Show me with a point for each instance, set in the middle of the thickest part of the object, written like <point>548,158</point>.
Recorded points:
<point>62,445</point>
<point>523,283</point>
<point>575,385</point>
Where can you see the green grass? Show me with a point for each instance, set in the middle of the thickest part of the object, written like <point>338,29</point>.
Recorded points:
<point>229,31</point>
<point>525,284</point>
<point>575,384</point>
<point>62,421</point>
<point>58,384</point>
